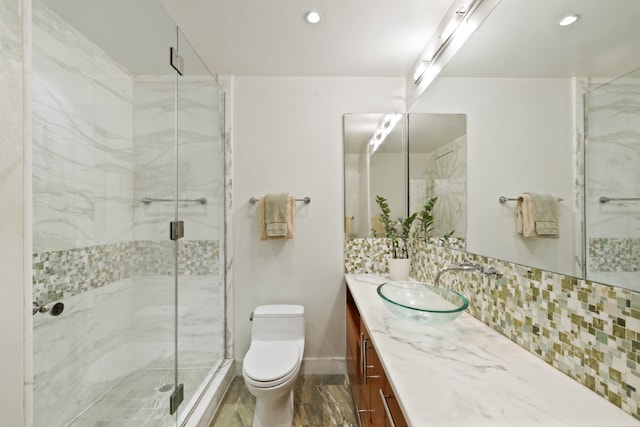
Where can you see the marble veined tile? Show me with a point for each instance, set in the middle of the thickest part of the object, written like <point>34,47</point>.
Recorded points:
<point>154,329</point>
<point>612,155</point>
<point>200,320</point>
<point>82,133</point>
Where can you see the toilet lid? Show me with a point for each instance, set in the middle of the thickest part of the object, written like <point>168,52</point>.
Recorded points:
<point>269,361</point>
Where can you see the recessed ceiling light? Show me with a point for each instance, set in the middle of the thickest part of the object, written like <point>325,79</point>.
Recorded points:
<point>312,17</point>
<point>568,20</point>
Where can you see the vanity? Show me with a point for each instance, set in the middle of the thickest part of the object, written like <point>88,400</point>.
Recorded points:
<point>460,374</point>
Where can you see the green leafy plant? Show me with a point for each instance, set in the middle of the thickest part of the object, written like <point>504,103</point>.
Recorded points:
<point>398,238</point>
<point>425,220</point>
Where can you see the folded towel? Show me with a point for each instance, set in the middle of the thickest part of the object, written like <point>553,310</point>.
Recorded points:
<point>537,215</point>
<point>277,216</point>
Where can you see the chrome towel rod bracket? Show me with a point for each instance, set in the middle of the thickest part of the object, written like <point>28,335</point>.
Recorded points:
<point>503,199</point>
<point>306,200</point>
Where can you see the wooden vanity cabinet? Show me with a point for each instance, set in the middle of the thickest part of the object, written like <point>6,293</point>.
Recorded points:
<point>372,394</point>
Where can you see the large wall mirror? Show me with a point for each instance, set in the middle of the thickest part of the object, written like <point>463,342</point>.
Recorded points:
<point>552,109</point>
<point>407,159</point>
<point>548,109</point>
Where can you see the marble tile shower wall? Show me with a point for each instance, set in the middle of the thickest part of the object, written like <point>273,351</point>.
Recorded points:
<point>589,331</point>
<point>201,148</point>
<point>82,140</point>
<point>82,192</point>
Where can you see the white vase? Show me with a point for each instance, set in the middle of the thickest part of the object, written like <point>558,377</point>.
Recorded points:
<point>399,268</point>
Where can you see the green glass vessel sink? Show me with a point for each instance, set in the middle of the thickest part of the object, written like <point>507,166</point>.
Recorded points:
<point>422,302</point>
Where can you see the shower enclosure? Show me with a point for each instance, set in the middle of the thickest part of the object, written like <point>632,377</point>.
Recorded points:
<point>128,216</point>
<point>612,182</point>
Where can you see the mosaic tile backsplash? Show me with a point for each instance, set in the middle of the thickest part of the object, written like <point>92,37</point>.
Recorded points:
<point>589,331</point>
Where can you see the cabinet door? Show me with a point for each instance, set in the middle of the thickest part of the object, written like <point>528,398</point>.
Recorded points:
<point>393,413</point>
<point>372,393</point>
<point>354,367</point>
<point>375,379</point>
<point>354,359</point>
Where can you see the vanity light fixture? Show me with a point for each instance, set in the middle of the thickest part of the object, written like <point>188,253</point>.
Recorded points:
<point>568,20</point>
<point>385,127</point>
<point>458,24</point>
<point>451,27</point>
<point>312,17</point>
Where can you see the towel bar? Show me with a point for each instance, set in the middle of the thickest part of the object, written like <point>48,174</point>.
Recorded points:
<point>306,200</point>
<point>605,199</point>
<point>503,199</point>
<point>148,200</point>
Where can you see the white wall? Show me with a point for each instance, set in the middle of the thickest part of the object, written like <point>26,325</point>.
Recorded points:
<point>520,139</point>
<point>288,137</point>
<point>387,178</point>
<point>12,185</point>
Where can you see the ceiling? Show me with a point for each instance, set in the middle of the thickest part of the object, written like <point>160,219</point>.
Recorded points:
<point>270,37</point>
<point>520,38</point>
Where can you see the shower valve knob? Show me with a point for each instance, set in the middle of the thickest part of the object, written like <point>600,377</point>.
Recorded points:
<point>54,309</point>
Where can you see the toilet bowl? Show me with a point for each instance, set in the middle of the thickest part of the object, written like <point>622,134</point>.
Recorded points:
<point>272,364</point>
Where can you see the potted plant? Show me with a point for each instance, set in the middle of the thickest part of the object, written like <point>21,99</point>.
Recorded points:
<point>398,233</point>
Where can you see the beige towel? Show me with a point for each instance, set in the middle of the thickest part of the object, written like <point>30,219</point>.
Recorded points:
<point>537,215</point>
<point>378,227</point>
<point>276,213</point>
<point>347,225</point>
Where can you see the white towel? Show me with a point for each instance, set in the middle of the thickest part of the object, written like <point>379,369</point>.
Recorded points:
<point>537,215</point>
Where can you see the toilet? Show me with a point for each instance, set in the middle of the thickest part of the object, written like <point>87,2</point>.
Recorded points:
<point>272,364</point>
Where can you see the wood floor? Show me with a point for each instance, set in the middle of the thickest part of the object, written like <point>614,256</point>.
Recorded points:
<point>319,401</point>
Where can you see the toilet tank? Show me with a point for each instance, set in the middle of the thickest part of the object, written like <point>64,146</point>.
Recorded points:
<point>278,322</point>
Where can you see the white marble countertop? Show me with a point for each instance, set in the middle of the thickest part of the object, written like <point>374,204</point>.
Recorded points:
<point>466,374</point>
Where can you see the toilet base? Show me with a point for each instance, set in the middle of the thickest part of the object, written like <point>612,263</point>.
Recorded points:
<point>274,411</point>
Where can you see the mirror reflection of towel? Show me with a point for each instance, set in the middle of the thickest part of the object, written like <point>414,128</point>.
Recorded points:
<point>537,215</point>
<point>276,214</point>
<point>377,227</point>
<point>347,225</point>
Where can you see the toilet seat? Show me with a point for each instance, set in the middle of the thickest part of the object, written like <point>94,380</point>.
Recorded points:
<point>271,363</point>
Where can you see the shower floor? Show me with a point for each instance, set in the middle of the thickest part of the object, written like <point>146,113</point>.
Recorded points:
<point>138,401</point>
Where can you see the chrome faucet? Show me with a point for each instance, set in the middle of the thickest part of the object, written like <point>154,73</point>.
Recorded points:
<point>465,266</point>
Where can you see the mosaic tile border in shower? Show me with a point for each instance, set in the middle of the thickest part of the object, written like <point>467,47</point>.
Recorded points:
<point>60,274</point>
<point>199,257</point>
<point>589,331</point>
<point>611,254</point>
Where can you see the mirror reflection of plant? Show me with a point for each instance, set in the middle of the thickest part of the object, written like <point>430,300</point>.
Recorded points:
<point>425,221</point>
<point>397,238</point>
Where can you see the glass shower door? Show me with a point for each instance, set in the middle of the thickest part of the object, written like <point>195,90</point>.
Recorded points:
<point>200,292</point>
<point>104,190</point>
